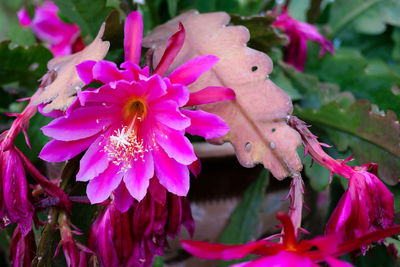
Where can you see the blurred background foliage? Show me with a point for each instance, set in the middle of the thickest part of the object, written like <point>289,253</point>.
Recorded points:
<point>351,98</point>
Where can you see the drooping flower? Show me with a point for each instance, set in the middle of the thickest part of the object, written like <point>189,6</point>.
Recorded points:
<point>367,204</point>
<point>133,125</point>
<point>15,198</point>
<point>22,248</point>
<point>134,237</point>
<point>289,252</point>
<point>62,38</point>
<point>299,32</point>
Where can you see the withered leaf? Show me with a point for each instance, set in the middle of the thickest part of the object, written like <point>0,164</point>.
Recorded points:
<point>60,93</point>
<point>259,132</point>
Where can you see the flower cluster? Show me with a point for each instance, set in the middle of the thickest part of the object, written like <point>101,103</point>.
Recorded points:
<point>62,38</point>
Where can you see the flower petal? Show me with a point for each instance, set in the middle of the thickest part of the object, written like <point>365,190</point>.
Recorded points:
<point>85,71</point>
<point>137,177</point>
<point>106,72</point>
<point>192,69</point>
<point>174,45</point>
<point>57,151</point>
<point>133,37</point>
<point>176,145</point>
<point>94,162</point>
<point>210,95</point>
<point>122,198</point>
<point>82,122</point>
<point>167,113</point>
<point>205,124</point>
<point>171,174</point>
<point>100,188</point>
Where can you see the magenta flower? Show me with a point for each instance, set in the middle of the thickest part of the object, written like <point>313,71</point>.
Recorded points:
<point>47,26</point>
<point>289,252</point>
<point>22,248</point>
<point>367,204</point>
<point>298,33</point>
<point>136,236</point>
<point>15,198</point>
<point>133,125</point>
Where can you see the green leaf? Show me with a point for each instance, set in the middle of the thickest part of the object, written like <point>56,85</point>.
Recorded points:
<point>364,16</point>
<point>366,79</point>
<point>244,218</point>
<point>87,14</point>
<point>158,262</point>
<point>172,6</point>
<point>263,36</point>
<point>23,65</point>
<point>343,12</point>
<point>372,137</point>
<point>314,93</point>
<point>19,35</point>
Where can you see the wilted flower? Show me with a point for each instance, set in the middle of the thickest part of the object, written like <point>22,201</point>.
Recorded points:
<point>298,33</point>
<point>132,125</point>
<point>367,204</point>
<point>22,248</point>
<point>62,38</point>
<point>289,252</point>
<point>136,236</point>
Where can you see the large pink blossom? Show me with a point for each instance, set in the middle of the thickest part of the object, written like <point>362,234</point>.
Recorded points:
<point>62,38</point>
<point>367,204</point>
<point>133,126</point>
<point>289,252</point>
<point>298,33</point>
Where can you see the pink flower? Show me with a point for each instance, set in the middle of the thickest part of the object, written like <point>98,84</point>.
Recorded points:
<point>289,252</point>
<point>134,237</point>
<point>367,204</point>
<point>22,248</point>
<point>133,125</point>
<point>298,33</point>
<point>46,25</point>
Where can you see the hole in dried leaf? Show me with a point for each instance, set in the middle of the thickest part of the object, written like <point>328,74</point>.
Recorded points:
<point>254,68</point>
<point>247,147</point>
<point>273,130</point>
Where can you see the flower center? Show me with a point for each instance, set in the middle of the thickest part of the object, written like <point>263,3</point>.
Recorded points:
<point>126,144</point>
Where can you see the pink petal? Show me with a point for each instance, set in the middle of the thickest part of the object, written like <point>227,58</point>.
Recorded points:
<point>167,113</point>
<point>83,122</point>
<point>133,37</point>
<point>207,250</point>
<point>176,145</point>
<point>174,45</point>
<point>57,151</point>
<point>283,259</point>
<point>122,198</point>
<point>195,167</point>
<point>177,92</point>
<point>137,177</point>
<point>155,88</point>
<point>100,188</point>
<point>205,124</point>
<point>106,72</point>
<point>192,69</point>
<point>24,18</point>
<point>85,70</point>
<point>105,94</point>
<point>210,95</point>
<point>94,162</point>
<point>340,215</point>
<point>134,71</point>
<point>171,174</point>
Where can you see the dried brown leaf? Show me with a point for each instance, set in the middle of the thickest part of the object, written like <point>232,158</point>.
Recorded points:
<point>259,132</point>
<point>60,93</point>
